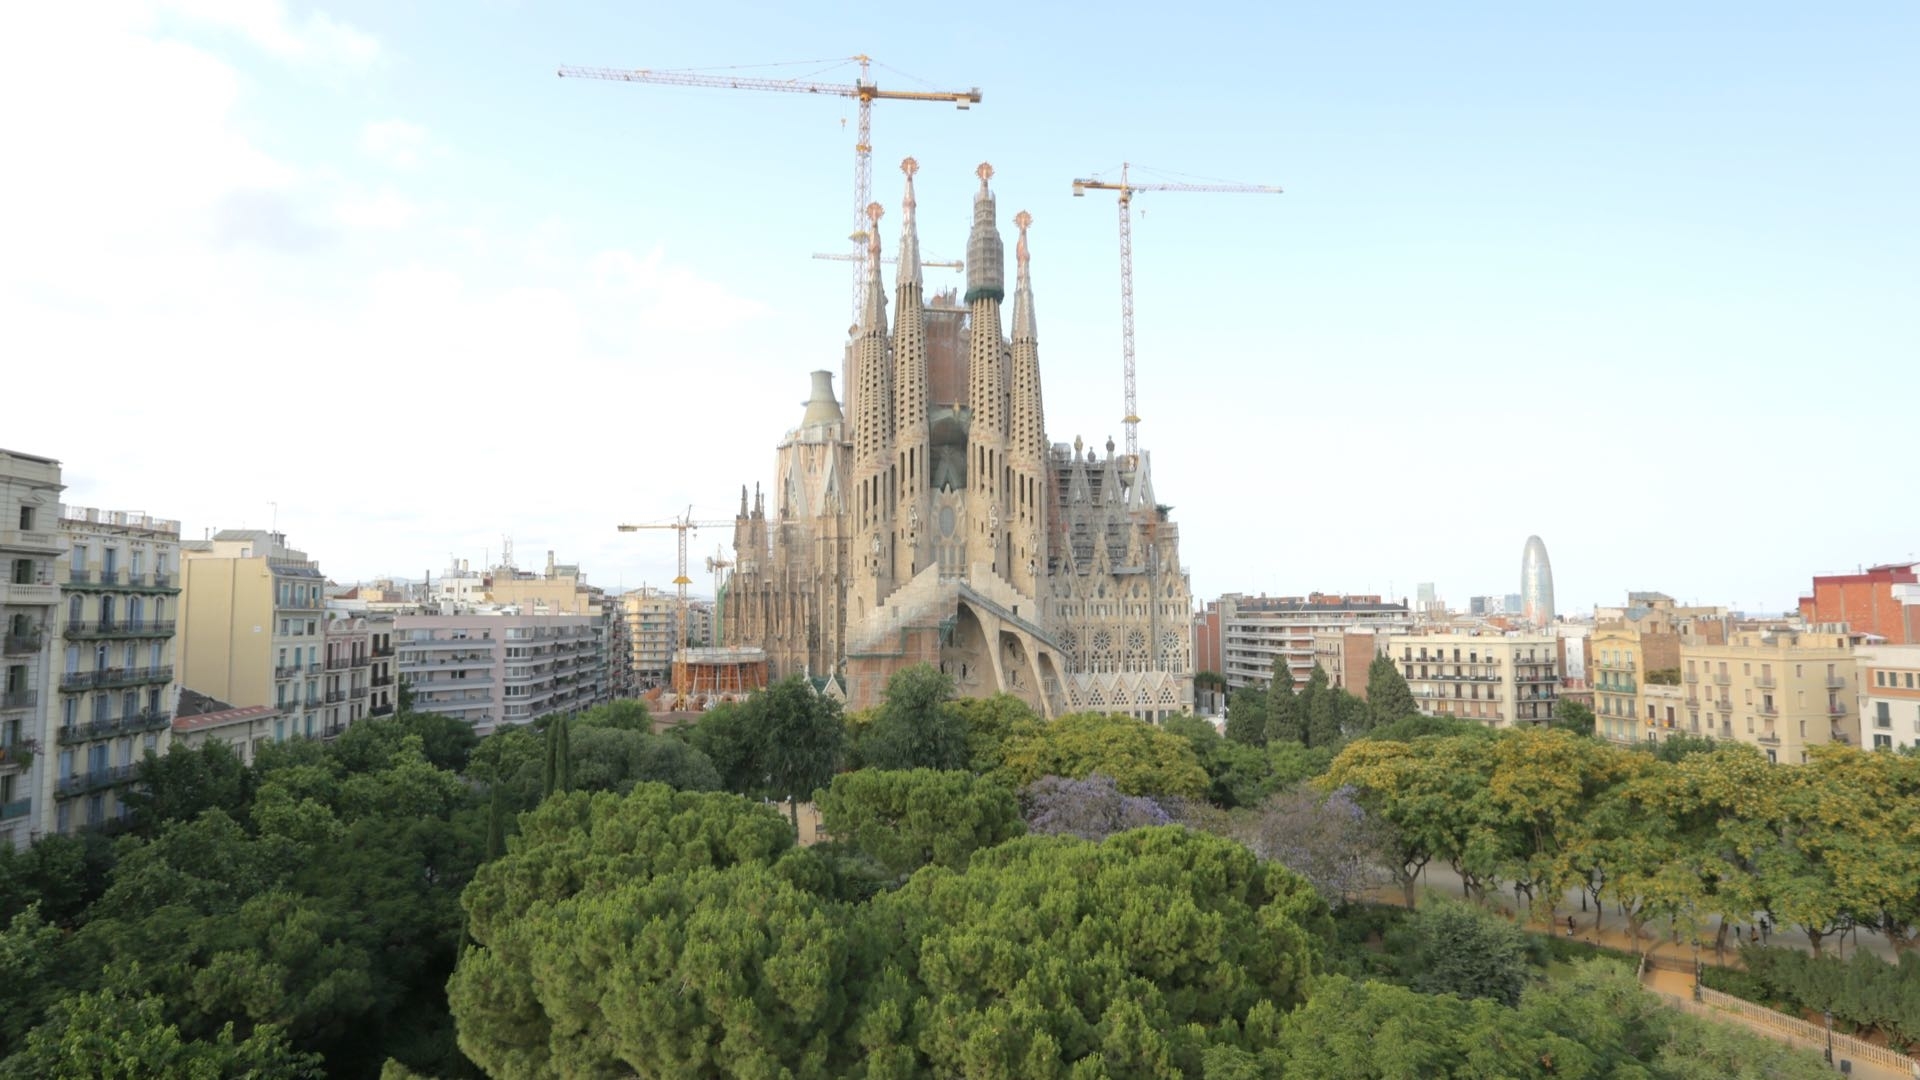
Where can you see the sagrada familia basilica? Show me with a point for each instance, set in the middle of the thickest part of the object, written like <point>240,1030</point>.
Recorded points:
<point>931,520</point>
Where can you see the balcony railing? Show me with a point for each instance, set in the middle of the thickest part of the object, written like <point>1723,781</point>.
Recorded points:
<point>107,577</point>
<point>1724,704</point>
<point>386,651</point>
<point>1841,737</point>
<point>1722,680</point>
<point>1766,708</point>
<point>1770,739</point>
<point>335,697</point>
<point>107,729</point>
<point>1764,682</point>
<point>77,576</point>
<point>18,752</point>
<point>1835,708</point>
<point>80,783</point>
<point>120,628</point>
<point>287,671</point>
<point>315,669</point>
<point>382,680</point>
<point>357,692</point>
<point>112,677</point>
<point>19,699</point>
<point>1835,682</point>
<point>15,810</point>
<point>336,663</point>
<point>1692,677</point>
<point>22,644</point>
<point>360,661</point>
<point>380,710</point>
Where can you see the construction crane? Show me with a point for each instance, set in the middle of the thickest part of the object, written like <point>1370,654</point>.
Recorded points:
<point>863,89</point>
<point>890,260</point>
<point>1127,189</point>
<point>683,525</point>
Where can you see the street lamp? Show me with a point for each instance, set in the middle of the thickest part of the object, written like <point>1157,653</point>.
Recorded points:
<point>1829,1016</point>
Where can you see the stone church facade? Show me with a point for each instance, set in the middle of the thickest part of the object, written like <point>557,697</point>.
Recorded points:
<point>931,520</point>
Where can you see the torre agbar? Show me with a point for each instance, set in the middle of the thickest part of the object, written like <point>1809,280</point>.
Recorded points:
<point>932,521</point>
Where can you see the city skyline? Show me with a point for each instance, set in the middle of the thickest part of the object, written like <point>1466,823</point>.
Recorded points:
<point>501,303</point>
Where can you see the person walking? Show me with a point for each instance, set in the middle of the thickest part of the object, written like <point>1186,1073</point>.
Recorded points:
<point>1569,926</point>
<point>1753,935</point>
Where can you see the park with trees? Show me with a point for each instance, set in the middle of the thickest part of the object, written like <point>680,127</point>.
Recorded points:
<point>990,894</point>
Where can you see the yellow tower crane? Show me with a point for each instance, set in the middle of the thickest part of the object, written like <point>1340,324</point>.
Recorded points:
<point>863,90</point>
<point>1127,188</point>
<point>683,525</point>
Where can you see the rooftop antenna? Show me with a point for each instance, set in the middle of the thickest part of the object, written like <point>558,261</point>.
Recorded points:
<point>274,530</point>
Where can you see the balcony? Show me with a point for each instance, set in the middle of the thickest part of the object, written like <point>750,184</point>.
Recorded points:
<point>286,671</point>
<point>1722,680</point>
<point>1841,737</point>
<point>1764,682</point>
<point>120,628</point>
<point>1834,682</point>
<point>18,754</point>
<point>335,697</point>
<point>380,710</point>
<point>156,582</point>
<point>38,540</point>
<point>19,699</point>
<point>1835,708</point>
<point>106,729</point>
<point>382,680</point>
<point>1769,739</point>
<point>1692,677</point>
<point>81,783</point>
<point>15,810</point>
<point>380,652</point>
<point>360,661</point>
<point>336,663</point>
<point>22,644</point>
<point>109,678</point>
<point>1725,705</point>
<point>357,692</point>
<point>1766,708</point>
<point>315,669</point>
<point>40,594</point>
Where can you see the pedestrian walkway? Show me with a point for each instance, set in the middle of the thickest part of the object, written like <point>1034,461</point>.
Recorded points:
<point>1865,1061</point>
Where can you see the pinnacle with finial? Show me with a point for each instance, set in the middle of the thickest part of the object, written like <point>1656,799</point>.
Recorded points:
<point>874,212</point>
<point>1022,220</point>
<point>985,173</point>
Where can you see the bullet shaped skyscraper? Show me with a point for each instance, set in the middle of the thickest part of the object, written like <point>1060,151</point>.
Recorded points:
<point>1536,584</point>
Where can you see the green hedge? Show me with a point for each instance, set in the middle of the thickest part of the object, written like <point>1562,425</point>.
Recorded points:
<point>1863,991</point>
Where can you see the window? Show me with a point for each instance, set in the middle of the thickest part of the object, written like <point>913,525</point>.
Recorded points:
<point>79,556</point>
<point>23,571</point>
<point>109,560</point>
<point>1882,714</point>
<point>1883,742</point>
<point>26,519</point>
<point>1879,678</point>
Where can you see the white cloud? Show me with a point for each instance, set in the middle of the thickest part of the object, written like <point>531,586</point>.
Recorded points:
<point>267,25</point>
<point>394,142</point>
<point>384,211</point>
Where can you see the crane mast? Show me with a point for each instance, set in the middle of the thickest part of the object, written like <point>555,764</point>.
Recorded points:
<point>863,90</point>
<point>682,525</point>
<point>1126,189</point>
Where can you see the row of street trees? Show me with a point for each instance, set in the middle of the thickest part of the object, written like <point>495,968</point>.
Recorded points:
<point>1826,846</point>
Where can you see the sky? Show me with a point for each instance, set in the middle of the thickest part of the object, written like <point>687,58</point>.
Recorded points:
<point>1638,278</point>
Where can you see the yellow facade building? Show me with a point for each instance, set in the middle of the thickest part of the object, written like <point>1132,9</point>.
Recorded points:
<point>1782,691</point>
<point>253,624</point>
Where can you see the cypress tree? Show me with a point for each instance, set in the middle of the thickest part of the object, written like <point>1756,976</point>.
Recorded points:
<point>563,760</point>
<point>549,770</point>
<point>1286,722</point>
<point>1388,697</point>
<point>496,822</point>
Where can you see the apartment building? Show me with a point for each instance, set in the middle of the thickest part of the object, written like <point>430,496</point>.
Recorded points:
<point>1497,680</point>
<point>359,652</point>
<point>653,626</point>
<point>1781,691</point>
<point>1627,662</point>
<point>1889,696</point>
<point>30,546</point>
<point>1249,633</point>
<point>253,624</point>
<point>1879,600</point>
<point>120,591</point>
<point>492,669</point>
<point>1347,656</point>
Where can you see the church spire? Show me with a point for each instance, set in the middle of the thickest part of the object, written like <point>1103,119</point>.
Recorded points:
<point>986,256</point>
<point>1023,287</point>
<point>874,319</point>
<point>986,385</point>
<point>909,232</point>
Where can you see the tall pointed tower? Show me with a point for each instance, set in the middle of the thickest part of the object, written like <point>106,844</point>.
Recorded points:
<point>872,438</point>
<point>1026,435</point>
<point>986,384</point>
<point>913,512</point>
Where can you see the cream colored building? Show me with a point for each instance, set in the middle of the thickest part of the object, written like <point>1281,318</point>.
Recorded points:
<point>120,588</point>
<point>253,623</point>
<point>29,602</point>
<point>358,679</point>
<point>1496,680</point>
<point>1889,696</point>
<point>244,730</point>
<point>653,628</point>
<point>1781,691</point>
